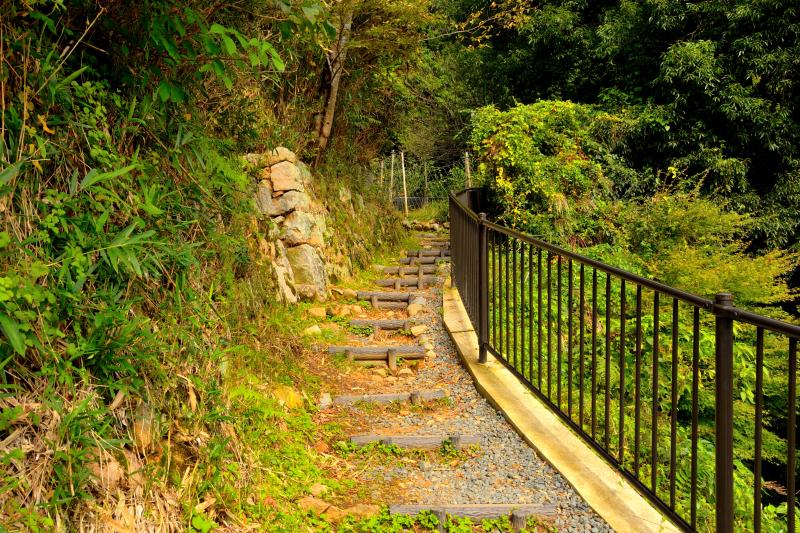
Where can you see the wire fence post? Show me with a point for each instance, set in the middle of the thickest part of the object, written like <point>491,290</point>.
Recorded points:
<point>483,289</point>
<point>405,189</point>
<point>723,310</point>
<point>382,173</point>
<point>467,170</point>
<point>391,180</point>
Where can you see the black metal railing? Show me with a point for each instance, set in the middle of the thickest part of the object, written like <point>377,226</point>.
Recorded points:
<point>627,362</point>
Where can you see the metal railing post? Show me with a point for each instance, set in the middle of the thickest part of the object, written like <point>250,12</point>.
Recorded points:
<point>723,310</point>
<point>483,289</point>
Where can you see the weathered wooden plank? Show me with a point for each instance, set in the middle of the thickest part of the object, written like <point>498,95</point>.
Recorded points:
<point>441,252</point>
<point>404,350</point>
<point>382,324</point>
<point>389,397</point>
<point>420,442</point>
<point>481,511</point>
<point>389,305</point>
<point>386,296</point>
<point>402,271</point>
<point>423,260</point>
<point>407,281</point>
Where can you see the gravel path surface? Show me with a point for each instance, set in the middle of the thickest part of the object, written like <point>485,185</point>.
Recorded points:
<point>506,470</point>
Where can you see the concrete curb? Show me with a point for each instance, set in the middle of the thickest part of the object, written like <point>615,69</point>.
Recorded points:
<point>601,486</point>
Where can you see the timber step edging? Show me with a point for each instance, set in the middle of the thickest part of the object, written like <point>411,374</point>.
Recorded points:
<point>414,397</point>
<point>429,260</point>
<point>417,442</point>
<point>429,252</point>
<point>404,270</point>
<point>518,512</point>
<point>382,297</point>
<point>368,353</point>
<point>409,281</point>
<point>384,323</point>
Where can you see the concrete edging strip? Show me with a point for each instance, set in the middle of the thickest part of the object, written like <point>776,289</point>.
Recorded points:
<point>603,488</point>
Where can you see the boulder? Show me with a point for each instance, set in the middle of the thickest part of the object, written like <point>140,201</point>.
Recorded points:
<point>284,275</point>
<point>281,154</point>
<point>286,177</point>
<point>318,489</point>
<point>309,272</point>
<point>303,228</point>
<point>312,331</point>
<point>305,174</point>
<point>414,309</point>
<point>264,202</point>
<point>313,504</point>
<point>318,312</point>
<point>418,330</point>
<point>270,205</point>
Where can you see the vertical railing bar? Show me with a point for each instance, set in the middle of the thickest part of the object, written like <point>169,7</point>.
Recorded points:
<point>673,427</point>
<point>581,351</point>
<point>539,317</point>
<point>758,429</point>
<point>622,318</point>
<point>549,325</point>
<point>607,404</point>
<point>522,351</point>
<point>514,274</point>
<point>791,437</point>
<point>483,289</point>
<point>507,342</point>
<point>501,259</point>
<point>723,423</point>
<point>494,287</point>
<point>695,414</point>
<point>637,391</point>
<point>569,340</point>
<point>654,411</point>
<point>558,337</point>
<point>530,315</point>
<point>594,353</point>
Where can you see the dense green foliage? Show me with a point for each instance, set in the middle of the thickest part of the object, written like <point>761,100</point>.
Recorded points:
<point>660,136</point>
<point>712,85</point>
<point>131,290</point>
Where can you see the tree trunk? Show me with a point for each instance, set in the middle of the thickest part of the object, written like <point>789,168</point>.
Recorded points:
<point>336,59</point>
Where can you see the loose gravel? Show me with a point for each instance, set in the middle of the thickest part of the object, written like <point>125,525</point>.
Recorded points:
<point>505,470</point>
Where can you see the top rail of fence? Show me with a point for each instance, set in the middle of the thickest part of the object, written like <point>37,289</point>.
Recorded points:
<point>462,199</point>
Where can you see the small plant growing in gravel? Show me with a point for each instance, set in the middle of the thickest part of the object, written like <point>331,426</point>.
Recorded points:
<point>449,451</point>
<point>501,524</point>
<point>428,520</point>
<point>459,525</point>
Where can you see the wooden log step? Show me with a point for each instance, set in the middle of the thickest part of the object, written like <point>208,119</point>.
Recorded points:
<point>417,442</point>
<point>377,353</point>
<point>413,397</point>
<point>402,271</point>
<point>389,305</point>
<point>382,324</point>
<point>441,252</point>
<point>547,511</point>
<point>423,260</point>
<point>386,296</point>
<point>432,235</point>
<point>407,281</point>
